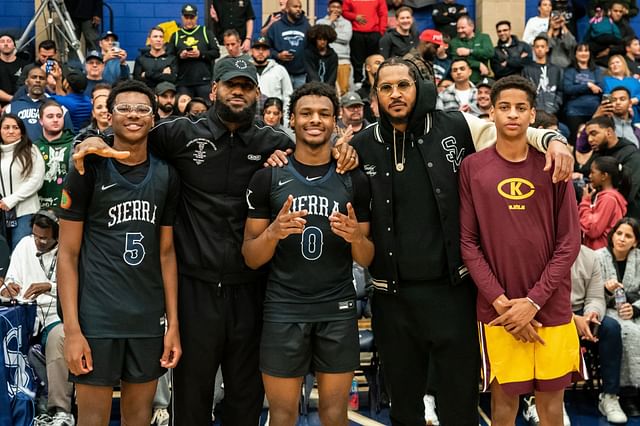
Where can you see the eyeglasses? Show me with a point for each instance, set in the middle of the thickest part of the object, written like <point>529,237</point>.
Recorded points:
<point>140,109</point>
<point>387,89</point>
<point>43,240</point>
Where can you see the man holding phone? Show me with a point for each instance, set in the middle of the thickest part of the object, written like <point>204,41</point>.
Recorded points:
<point>196,49</point>
<point>617,105</point>
<point>114,58</point>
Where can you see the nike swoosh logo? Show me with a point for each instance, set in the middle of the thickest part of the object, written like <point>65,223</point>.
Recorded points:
<point>313,178</point>
<point>280,183</point>
<point>105,187</point>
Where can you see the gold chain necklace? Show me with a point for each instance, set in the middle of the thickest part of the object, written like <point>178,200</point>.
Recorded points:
<point>399,165</point>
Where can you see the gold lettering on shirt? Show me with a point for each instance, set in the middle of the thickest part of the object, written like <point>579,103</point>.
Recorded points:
<point>516,189</point>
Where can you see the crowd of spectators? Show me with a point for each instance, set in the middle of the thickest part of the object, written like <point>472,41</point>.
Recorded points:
<point>588,88</point>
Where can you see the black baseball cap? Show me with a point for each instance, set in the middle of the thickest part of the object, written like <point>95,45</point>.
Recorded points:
<point>94,54</point>
<point>165,86</point>
<point>228,68</point>
<point>261,41</point>
<point>109,34</point>
<point>76,79</point>
<point>189,10</point>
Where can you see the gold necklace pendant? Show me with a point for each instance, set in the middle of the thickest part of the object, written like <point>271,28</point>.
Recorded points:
<point>400,164</point>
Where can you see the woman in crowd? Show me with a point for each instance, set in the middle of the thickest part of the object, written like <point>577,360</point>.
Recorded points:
<point>100,116</point>
<point>620,264</point>
<point>273,115</point>
<point>583,83</point>
<point>604,201</point>
<point>618,75</point>
<point>21,176</point>
<point>196,107</point>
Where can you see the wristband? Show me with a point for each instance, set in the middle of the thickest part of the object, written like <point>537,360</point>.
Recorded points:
<point>535,305</point>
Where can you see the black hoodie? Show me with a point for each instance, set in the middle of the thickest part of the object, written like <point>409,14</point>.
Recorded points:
<point>322,68</point>
<point>420,204</point>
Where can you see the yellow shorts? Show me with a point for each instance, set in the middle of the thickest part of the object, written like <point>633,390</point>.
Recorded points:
<point>524,367</point>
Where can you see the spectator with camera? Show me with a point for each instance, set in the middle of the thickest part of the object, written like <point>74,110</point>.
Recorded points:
<point>562,43</point>
<point>114,58</point>
<point>196,49</point>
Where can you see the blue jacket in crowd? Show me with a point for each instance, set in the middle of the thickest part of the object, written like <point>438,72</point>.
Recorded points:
<point>580,100</point>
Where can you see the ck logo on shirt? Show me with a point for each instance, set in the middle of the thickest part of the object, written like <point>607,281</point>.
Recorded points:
<point>516,189</point>
<point>200,153</point>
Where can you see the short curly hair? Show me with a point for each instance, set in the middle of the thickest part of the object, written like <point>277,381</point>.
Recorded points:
<point>314,88</point>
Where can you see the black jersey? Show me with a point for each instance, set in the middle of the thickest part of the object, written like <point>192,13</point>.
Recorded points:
<point>310,277</point>
<point>120,286</point>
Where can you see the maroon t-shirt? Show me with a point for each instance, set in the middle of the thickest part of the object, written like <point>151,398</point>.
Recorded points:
<point>519,233</point>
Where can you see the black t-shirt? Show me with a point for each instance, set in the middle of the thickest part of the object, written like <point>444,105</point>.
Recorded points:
<point>413,187</point>
<point>120,285</point>
<point>9,74</point>
<point>232,14</point>
<point>310,277</point>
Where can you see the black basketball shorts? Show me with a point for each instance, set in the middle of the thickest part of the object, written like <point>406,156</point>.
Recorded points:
<point>295,349</point>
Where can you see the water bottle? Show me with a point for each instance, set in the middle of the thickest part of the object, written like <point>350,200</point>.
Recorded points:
<point>354,399</point>
<point>621,298</point>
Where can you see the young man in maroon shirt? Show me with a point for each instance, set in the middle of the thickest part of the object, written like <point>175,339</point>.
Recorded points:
<point>519,238</point>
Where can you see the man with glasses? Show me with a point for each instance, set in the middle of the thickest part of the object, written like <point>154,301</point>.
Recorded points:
<point>424,308</point>
<point>196,49</point>
<point>117,268</point>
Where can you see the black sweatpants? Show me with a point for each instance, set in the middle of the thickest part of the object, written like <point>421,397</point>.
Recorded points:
<point>362,45</point>
<point>428,340</point>
<point>219,325</point>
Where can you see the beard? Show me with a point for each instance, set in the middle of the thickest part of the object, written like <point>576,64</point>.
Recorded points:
<point>168,108</point>
<point>242,117</point>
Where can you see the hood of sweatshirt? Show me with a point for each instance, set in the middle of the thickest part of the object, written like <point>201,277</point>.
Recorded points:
<point>613,193</point>
<point>420,117</point>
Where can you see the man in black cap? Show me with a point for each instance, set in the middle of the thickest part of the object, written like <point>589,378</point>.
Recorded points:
<point>220,298</point>
<point>235,15</point>
<point>166,97</point>
<point>114,58</point>
<point>196,50</point>
<point>10,68</point>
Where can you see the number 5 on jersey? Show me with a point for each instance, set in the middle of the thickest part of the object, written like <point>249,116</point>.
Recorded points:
<point>133,249</point>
